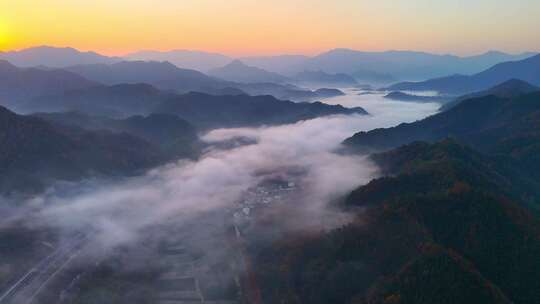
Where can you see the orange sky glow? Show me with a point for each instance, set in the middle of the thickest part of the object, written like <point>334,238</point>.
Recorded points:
<point>249,27</point>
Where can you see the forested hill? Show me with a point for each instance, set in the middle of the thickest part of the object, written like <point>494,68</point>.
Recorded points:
<point>244,110</point>
<point>449,220</point>
<point>487,123</point>
<point>35,153</point>
<point>442,227</point>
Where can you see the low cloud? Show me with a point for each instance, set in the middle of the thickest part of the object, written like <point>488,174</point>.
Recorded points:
<point>118,211</point>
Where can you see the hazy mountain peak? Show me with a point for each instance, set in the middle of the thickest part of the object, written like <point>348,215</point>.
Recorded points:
<point>238,71</point>
<point>190,59</point>
<point>163,75</point>
<point>237,63</point>
<point>57,57</point>
<point>515,84</point>
<point>52,49</point>
<point>527,69</point>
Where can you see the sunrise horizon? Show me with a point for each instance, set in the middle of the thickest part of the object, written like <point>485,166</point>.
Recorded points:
<point>269,152</point>
<point>271,28</point>
<point>240,54</point>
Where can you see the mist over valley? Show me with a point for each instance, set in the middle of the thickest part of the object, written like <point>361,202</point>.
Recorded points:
<point>269,152</point>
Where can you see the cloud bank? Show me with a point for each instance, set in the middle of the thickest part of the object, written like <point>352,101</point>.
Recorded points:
<point>117,212</point>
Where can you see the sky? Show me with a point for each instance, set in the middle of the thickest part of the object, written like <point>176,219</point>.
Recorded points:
<point>255,27</point>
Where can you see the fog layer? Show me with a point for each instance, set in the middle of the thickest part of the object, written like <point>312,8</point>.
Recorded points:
<point>117,212</point>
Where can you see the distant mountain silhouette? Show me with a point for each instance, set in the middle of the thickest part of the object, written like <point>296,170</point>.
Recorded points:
<point>382,67</point>
<point>287,65</point>
<point>186,59</point>
<point>527,70</point>
<point>54,57</point>
<point>120,100</point>
<point>201,110</point>
<point>163,75</point>
<point>507,89</point>
<point>407,65</point>
<point>322,78</point>
<point>237,71</point>
<point>166,76</point>
<point>207,111</point>
<point>18,84</point>
<point>34,153</point>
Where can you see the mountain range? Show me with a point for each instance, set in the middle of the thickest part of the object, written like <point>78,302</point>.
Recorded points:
<point>187,59</point>
<point>54,57</point>
<point>377,66</point>
<point>18,84</point>
<point>175,137</point>
<point>406,65</point>
<point>119,101</point>
<point>163,75</point>
<point>441,226</point>
<point>246,111</point>
<point>507,89</point>
<point>527,70</point>
<point>123,88</point>
<point>489,124</point>
<point>452,219</point>
<point>35,153</point>
<point>200,109</point>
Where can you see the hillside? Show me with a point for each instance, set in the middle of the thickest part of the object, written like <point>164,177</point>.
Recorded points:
<point>17,84</point>
<point>501,120</point>
<point>527,70</point>
<point>162,75</point>
<point>120,100</point>
<point>437,229</point>
<point>174,136</point>
<point>201,110</point>
<point>35,153</point>
<point>165,76</point>
<point>243,110</point>
<point>507,89</point>
<point>406,65</point>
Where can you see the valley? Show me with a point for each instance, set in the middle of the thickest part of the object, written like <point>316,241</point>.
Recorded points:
<point>204,257</point>
<point>269,152</point>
